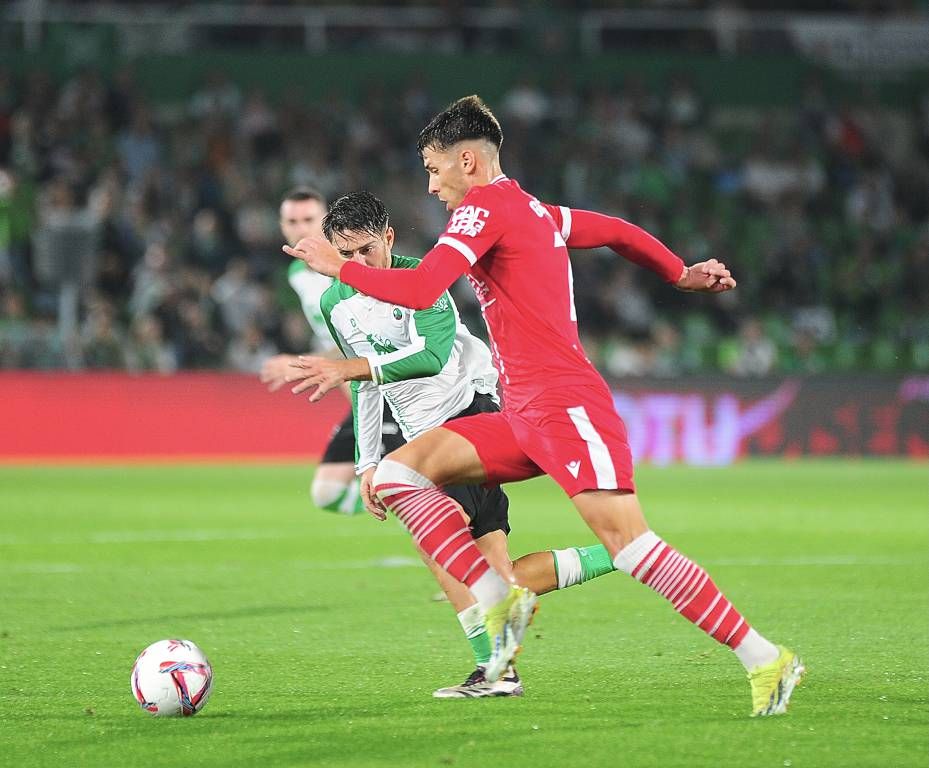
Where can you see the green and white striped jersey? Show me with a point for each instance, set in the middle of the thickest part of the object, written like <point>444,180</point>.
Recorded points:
<point>425,364</point>
<point>310,287</point>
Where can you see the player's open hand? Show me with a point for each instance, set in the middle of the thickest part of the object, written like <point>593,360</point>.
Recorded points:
<point>274,371</point>
<point>709,276</point>
<point>318,254</point>
<point>319,372</point>
<point>369,498</point>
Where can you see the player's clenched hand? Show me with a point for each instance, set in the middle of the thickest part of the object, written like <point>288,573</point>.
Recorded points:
<point>274,371</point>
<point>319,372</point>
<point>318,254</point>
<point>369,498</point>
<point>710,276</point>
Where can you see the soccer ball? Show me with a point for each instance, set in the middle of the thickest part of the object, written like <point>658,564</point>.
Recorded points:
<point>172,678</point>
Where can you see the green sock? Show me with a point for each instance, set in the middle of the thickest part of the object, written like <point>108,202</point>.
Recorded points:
<point>595,561</point>
<point>580,564</point>
<point>472,622</point>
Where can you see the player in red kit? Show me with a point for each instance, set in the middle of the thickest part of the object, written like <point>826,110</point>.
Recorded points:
<point>558,417</point>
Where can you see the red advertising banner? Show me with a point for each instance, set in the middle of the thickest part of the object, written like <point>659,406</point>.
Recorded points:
<point>62,416</point>
<point>200,416</point>
<point>715,421</point>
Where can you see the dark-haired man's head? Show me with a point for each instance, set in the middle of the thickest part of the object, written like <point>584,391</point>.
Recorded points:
<point>302,211</point>
<point>460,149</point>
<point>468,118</point>
<point>358,226</point>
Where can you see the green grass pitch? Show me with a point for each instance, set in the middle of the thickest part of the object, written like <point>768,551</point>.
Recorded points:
<point>326,645</point>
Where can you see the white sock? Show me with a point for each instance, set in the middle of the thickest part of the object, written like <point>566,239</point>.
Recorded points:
<point>352,492</point>
<point>568,567</point>
<point>472,620</point>
<point>325,493</point>
<point>489,589</point>
<point>630,556</point>
<point>754,650</point>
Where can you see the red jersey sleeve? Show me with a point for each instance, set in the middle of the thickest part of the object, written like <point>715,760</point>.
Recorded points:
<point>416,288</point>
<point>475,226</point>
<point>586,229</point>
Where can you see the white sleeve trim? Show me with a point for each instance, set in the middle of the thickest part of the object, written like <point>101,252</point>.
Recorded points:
<point>463,249</point>
<point>565,221</point>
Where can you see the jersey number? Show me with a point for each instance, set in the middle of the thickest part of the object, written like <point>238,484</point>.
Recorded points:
<point>540,211</point>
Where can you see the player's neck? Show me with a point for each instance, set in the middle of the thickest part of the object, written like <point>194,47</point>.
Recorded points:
<point>487,174</point>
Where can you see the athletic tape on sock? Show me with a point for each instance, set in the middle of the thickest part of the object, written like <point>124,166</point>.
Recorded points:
<point>630,555</point>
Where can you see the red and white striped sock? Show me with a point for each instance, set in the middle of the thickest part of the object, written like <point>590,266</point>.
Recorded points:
<point>694,595</point>
<point>436,524</point>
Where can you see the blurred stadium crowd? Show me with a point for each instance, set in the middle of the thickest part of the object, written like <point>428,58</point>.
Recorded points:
<point>164,218</point>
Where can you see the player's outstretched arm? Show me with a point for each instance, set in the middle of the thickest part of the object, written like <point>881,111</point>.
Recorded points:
<point>325,374</point>
<point>588,229</point>
<point>417,288</point>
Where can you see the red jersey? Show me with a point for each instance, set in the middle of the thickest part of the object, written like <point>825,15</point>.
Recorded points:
<point>514,250</point>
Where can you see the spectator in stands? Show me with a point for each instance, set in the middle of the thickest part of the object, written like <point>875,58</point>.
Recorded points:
<point>755,354</point>
<point>169,199</point>
<point>102,344</point>
<point>147,350</point>
<point>198,344</point>
<point>249,350</point>
<point>139,147</point>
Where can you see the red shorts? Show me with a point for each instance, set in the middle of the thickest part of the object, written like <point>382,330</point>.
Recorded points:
<point>582,444</point>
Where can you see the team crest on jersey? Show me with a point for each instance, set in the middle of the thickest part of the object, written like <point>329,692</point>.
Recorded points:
<point>381,345</point>
<point>468,220</point>
<point>398,313</point>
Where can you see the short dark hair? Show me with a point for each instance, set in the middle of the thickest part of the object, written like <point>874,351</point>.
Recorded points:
<point>356,212</point>
<point>299,194</point>
<point>467,118</point>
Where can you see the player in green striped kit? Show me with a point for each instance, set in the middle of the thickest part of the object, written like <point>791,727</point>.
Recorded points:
<point>428,369</point>
<point>335,487</point>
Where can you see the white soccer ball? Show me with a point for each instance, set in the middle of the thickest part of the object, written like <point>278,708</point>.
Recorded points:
<point>172,678</point>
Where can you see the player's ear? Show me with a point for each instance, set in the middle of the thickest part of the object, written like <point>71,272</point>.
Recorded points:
<point>389,237</point>
<point>467,160</point>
